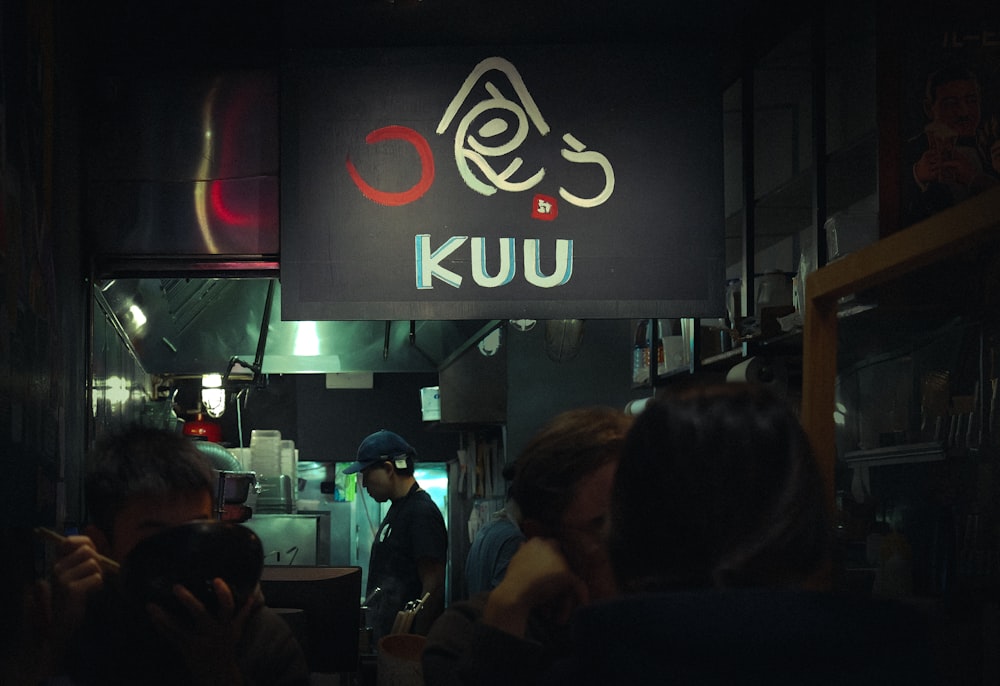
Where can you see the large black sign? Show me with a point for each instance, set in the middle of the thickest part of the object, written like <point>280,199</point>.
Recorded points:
<point>527,181</point>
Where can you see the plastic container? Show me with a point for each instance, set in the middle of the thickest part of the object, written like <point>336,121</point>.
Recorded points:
<point>289,459</point>
<point>734,303</point>
<point>265,450</point>
<point>430,403</point>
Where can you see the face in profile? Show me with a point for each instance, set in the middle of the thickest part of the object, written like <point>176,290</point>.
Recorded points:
<point>584,528</point>
<point>376,482</point>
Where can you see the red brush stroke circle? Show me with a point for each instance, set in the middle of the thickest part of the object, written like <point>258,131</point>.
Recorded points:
<point>223,212</point>
<point>426,167</point>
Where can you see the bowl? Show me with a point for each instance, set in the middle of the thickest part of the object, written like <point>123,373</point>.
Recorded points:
<point>192,555</point>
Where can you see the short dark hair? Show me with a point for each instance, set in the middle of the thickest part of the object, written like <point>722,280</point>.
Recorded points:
<point>142,461</point>
<point>572,445</point>
<point>717,487</point>
<point>947,74</point>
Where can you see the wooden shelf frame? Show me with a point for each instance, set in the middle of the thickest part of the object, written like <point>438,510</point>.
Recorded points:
<point>937,239</point>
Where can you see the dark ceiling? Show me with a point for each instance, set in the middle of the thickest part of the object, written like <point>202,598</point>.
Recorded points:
<point>256,32</point>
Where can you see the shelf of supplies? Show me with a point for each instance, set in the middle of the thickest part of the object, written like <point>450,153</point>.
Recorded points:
<point>971,226</point>
<point>663,377</point>
<point>790,341</point>
<point>786,344</point>
<point>727,358</point>
<point>896,454</point>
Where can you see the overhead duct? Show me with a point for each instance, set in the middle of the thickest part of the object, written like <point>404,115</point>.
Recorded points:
<point>255,368</point>
<point>199,326</point>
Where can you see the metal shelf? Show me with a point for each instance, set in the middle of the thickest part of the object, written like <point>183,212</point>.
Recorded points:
<point>897,454</point>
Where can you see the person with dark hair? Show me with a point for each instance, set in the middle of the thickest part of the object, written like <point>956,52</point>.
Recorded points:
<point>719,542</point>
<point>138,483</point>
<point>732,475</point>
<point>409,553</point>
<point>562,487</point>
<point>492,548</point>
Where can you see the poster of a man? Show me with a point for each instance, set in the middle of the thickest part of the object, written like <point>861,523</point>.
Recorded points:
<point>949,111</point>
<point>952,154</point>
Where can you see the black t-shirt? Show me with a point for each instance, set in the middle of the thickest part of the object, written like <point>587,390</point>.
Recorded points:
<point>413,529</point>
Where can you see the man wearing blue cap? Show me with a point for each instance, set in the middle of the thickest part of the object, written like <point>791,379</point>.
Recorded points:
<point>408,554</point>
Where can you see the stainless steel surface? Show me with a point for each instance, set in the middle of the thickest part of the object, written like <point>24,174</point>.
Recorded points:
<point>184,163</point>
<point>275,495</point>
<point>293,539</point>
<point>186,326</point>
<point>320,490</point>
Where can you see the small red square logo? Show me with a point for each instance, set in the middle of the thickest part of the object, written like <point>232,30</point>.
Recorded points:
<point>544,207</point>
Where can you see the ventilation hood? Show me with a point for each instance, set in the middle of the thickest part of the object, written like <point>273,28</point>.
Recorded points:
<point>194,326</point>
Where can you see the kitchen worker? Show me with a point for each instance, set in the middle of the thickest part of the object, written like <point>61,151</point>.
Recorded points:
<point>409,553</point>
<point>562,485</point>
<point>138,483</point>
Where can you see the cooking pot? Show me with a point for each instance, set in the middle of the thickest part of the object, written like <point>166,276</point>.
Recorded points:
<point>235,487</point>
<point>236,496</point>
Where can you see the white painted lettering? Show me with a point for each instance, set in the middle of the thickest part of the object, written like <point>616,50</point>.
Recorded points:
<point>578,156</point>
<point>507,263</point>
<point>428,262</point>
<point>474,149</point>
<point>564,264</point>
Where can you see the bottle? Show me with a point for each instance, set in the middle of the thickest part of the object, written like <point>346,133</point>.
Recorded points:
<point>640,352</point>
<point>365,629</point>
<point>734,304</point>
